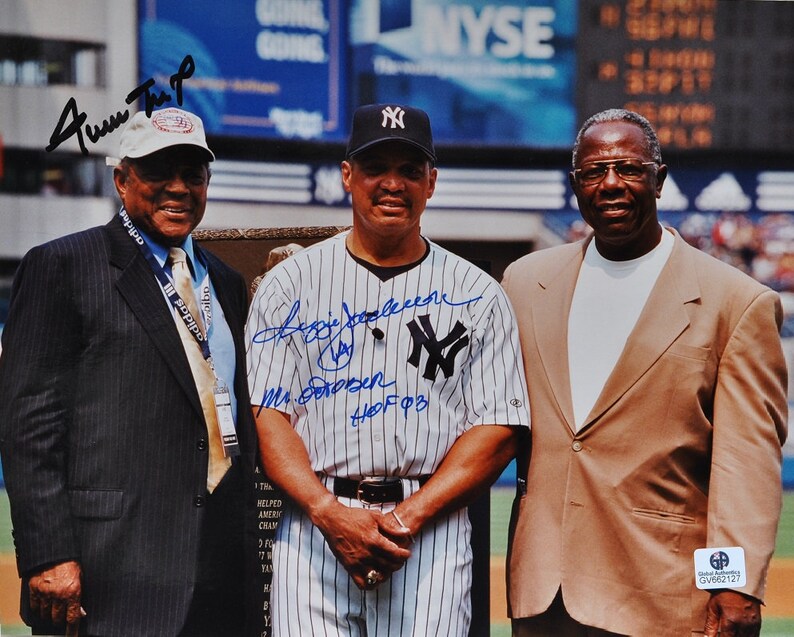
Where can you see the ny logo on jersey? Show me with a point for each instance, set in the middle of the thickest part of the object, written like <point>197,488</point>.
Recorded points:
<point>394,115</point>
<point>425,336</point>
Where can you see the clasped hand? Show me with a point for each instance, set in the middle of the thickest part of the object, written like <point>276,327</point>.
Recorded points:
<point>364,540</point>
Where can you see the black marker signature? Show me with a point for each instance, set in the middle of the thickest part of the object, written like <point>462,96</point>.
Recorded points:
<point>94,133</point>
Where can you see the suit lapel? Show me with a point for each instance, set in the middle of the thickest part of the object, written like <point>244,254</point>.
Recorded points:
<point>661,322</point>
<point>143,295</point>
<point>551,332</point>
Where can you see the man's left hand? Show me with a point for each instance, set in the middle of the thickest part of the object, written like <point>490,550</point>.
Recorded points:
<point>732,614</point>
<point>55,595</point>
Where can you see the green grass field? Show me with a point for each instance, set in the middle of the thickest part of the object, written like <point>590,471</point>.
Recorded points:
<point>785,530</point>
<point>6,545</point>
<point>501,500</point>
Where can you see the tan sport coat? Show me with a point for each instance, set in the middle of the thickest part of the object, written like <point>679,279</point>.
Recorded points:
<point>682,449</point>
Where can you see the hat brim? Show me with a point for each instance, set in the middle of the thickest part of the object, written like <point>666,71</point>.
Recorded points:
<point>140,153</point>
<point>390,138</point>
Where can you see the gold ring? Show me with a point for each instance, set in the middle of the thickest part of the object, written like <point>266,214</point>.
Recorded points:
<point>373,577</point>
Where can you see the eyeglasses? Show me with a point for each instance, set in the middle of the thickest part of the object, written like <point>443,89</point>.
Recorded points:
<point>593,172</point>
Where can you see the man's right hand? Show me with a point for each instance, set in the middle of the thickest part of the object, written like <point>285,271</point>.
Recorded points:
<point>354,537</point>
<point>55,595</point>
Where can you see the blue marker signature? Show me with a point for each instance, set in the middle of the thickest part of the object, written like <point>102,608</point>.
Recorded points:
<point>319,388</point>
<point>407,404</point>
<point>338,332</point>
<point>273,399</point>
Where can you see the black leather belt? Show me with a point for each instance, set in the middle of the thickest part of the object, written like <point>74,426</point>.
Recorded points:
<point>374,490</point>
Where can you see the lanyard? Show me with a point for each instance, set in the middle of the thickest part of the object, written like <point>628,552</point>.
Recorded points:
<point>220,392</point>
<point>173,296</point>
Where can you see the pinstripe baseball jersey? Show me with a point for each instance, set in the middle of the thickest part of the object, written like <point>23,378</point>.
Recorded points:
<point>378,377</point>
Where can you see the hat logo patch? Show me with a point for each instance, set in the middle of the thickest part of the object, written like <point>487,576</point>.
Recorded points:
<point>172,121</point>
<point>394,115</point>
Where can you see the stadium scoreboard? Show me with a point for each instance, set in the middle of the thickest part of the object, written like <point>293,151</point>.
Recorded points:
<point>708,74</point>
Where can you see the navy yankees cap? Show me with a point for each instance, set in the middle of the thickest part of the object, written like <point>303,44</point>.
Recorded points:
<point>376,123</point>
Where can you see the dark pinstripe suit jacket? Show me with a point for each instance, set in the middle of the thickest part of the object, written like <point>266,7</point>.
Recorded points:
<point>101,429</point>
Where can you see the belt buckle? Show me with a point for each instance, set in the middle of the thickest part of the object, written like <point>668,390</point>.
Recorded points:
<point>369,488</point>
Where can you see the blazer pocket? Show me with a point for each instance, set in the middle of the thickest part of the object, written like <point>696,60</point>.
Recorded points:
<point>97,504</point>
<point>665,516</point>
<point>690,351</point>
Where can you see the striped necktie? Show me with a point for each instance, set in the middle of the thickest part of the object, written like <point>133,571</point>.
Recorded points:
<point>202,372</point>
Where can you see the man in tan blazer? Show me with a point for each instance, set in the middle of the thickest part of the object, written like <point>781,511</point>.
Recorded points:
<point>657,390</point>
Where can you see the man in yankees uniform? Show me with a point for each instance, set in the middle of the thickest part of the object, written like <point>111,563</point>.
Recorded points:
<point>388,393</point>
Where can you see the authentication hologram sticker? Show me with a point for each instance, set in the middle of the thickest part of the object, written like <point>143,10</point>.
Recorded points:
<point>720,568</point>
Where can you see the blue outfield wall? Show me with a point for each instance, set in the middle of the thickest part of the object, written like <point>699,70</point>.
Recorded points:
<point>788,472</point>
<point>508,477</point>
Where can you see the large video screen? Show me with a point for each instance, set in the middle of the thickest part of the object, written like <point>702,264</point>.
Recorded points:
<point>488,72</point>
<point>262,68</point>
<point>709,74</point>
<point>495,73</point>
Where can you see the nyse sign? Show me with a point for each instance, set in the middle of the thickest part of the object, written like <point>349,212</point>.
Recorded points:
<point>488,72</point>
<point>505,32</point>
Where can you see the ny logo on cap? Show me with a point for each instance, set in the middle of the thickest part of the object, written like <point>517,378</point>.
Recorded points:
<point>394,115</point>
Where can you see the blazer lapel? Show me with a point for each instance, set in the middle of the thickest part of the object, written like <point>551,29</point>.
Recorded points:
<point>551,332</point>
<point>143,295</point>
<point>661,322</point>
